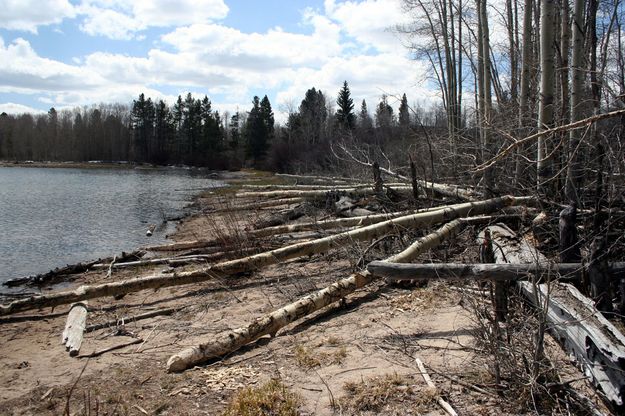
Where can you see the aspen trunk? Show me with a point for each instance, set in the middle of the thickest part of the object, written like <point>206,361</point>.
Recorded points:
<point>229,341</point>
<point>74,328</point>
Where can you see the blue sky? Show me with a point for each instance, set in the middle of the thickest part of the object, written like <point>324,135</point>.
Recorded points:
<point>67,53</point>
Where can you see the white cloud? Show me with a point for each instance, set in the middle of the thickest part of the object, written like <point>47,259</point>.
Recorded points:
<point>122,20</point>
<point>12,108</point>
<point>369,22</point>
<point>27,15</point>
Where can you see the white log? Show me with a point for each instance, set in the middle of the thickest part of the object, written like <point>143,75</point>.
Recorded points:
<point>229,341</point>
<point>75,328</point>
<point>314,192</point>
<point>257,261</point>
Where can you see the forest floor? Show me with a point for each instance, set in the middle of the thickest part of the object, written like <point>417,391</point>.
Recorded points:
<point>354,357</point>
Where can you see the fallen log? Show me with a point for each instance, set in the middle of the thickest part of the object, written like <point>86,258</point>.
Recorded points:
<point>481,271</point>
<point>260,260</point>
<point>316,193</point>
<point>317,178</point>
<point>260,205</point>
<point>229,341</point>
<point>74,328</point>
<point>597,345</point>
<point>308,187</point>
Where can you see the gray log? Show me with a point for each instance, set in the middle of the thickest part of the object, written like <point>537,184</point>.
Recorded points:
<point>479,271</point>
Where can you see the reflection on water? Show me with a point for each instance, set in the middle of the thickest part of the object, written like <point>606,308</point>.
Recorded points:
<point>53,217</point>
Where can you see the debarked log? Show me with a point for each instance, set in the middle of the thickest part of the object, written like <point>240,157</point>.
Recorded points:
<point>75,328</point>
<point>260,260</point>
<point>597,345</point>
<point>481,271</point>
<point>229,341</point>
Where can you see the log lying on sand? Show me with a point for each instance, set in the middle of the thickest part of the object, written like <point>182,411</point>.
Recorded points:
<point>480,271</point>
<point>317,178</point>
<point>75,328</point>
<point>229,341</point>
<point>314,187</point>
<point>261,205</point>
<point>260,260</point>
<point>597,345</point>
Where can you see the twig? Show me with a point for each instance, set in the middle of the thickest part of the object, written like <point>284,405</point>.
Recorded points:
<point>71,390</point>
<point>446,406</point>
<point>113,348</point>
<point>462,383</point>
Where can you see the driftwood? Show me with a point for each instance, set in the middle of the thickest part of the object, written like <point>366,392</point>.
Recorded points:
<point>307,187</point>
<point>279,218</point>
<point>257,261</point>
<point>426,377</point>
<point>74,328</point>
<point>229,341</point>
<point>596,344</point>
<point>481,271</point>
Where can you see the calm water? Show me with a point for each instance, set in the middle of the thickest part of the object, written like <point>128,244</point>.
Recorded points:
<point>53,217</point>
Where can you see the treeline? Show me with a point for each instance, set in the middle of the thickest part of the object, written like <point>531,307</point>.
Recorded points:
<point>191,132</point>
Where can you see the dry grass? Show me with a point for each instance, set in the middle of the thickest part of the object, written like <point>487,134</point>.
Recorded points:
<point>272,398</point>
<point>377,393</point>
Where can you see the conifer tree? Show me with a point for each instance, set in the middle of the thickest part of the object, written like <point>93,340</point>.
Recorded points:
<point>404,113</point>
<point>345,112</point>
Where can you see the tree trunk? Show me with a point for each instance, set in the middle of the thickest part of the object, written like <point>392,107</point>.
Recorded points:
<point>547,85</point>
<point>573,171</point>
<point>524,95</point>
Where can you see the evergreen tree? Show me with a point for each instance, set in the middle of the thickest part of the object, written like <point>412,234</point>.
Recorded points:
<point>404,112</point>
<point>255,134</point>
<point>266,114</point>
<point>142,119</point>
<point>364,118</point>
<point>384,113</point>
<point>345,112</point>
<point>312,117</point>
<point>235,130</point>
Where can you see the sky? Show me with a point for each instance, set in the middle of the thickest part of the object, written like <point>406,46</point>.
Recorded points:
<point>67,53</point>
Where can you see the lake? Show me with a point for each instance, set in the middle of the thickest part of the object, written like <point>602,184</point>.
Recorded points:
<point>50,217</point>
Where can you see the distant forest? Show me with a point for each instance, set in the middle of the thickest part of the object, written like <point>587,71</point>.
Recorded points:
<point>191,132</point>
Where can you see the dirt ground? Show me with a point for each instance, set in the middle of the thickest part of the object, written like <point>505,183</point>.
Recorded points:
<point>354,357</point>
